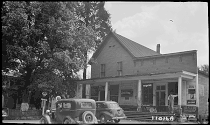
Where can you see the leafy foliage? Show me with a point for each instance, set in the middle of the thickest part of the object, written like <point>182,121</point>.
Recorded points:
<point>204,68</point>
<point>96,16</point>
<point>44,41</point>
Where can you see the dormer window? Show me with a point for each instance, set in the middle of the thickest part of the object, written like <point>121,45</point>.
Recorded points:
<point>166,59</point>
<point>102,70</point>
<point>180,58</point>
<point>119,68</point>
<point>154,61</point>
<point>142,62</point>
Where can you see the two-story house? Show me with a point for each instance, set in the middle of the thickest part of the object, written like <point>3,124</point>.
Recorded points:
<point>134,75</point>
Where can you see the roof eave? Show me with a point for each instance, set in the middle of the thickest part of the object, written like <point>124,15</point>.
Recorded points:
<point>97,52</point>
<point>163,55</point>
<point>103,44</point>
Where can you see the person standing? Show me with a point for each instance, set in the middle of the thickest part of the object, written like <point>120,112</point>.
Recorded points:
<point>171,102</point>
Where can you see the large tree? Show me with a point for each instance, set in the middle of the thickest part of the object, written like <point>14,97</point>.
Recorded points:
<point>45,42</point>
<point>95,16</point>
<point>204,68</point>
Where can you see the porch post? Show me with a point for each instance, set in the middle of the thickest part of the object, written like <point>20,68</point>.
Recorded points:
<point>106,91</point>
<point>139,94</point>
<point>180,91</point>
<point>87,91</point>
<point>79,91</point>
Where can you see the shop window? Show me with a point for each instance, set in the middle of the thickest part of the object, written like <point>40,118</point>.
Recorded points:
<point>114,92</point>
<point>163,87</point>
<point>157,87</point>
<point>94,92</point>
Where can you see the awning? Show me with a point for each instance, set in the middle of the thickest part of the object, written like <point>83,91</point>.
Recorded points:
<point>183,74</point>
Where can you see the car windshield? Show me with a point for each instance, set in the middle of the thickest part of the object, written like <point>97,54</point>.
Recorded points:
<point>113,105</point>
<point>86,105</point>
<point>67,105</point>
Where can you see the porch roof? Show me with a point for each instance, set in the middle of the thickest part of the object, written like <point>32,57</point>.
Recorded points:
<point>150,76</point>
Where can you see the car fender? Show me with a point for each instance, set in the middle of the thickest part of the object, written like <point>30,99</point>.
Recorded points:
<point>47,117</point>
<point>107,115</point>
<point>68,117</point>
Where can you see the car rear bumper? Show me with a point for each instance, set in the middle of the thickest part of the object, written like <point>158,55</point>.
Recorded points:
<point>81,122</point>
<point>119,118</point>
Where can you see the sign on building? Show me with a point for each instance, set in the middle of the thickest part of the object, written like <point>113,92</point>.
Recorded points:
<point>191,102</point>
<point>127,93</point>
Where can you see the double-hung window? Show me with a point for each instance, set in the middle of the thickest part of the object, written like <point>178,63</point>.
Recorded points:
<point>102,70</point>
<point>119,68</point>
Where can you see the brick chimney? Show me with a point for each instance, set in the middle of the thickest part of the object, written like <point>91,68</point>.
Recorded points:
<point>158,48</point>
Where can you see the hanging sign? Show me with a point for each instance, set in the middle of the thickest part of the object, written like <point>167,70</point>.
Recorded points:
<point>191,91</point>
<point>191,102</point>
<point>147,85</point>
<point>127,93</point>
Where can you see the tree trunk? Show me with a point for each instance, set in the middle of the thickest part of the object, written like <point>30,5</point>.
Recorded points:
<point>27,82</point>
<point>85,70</point>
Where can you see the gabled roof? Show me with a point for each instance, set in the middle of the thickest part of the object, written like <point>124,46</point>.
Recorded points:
<point>136,49</point>
<point>133,48</point>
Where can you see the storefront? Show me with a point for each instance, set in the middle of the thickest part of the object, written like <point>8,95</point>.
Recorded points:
<point>150,92</point>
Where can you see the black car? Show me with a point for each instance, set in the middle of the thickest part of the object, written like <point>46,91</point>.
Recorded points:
<point>109,111</point>
<point>72,111</point>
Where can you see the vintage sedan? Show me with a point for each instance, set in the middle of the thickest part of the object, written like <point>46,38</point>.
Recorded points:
<point>109,111</point>
<point>5,113</point>
<point>72,111</point>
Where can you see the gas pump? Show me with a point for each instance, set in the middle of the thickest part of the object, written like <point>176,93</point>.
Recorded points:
<point>44,102</point>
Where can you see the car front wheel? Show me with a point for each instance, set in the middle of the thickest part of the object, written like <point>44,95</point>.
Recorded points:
<point>117,120</point>
<point>103,119</point>
<point>88,117</point>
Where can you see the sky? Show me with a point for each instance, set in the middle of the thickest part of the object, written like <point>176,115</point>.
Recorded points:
<point>176,26</point>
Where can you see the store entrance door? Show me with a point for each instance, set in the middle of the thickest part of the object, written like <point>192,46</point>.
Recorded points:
<point>161,98</point>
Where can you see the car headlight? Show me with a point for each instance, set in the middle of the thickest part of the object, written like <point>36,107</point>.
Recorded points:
<point>4,113</point>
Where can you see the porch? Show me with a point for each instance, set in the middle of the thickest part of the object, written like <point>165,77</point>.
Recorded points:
<point>149,92</point>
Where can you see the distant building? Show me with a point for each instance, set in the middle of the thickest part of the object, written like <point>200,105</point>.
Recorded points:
<point>134,75</point>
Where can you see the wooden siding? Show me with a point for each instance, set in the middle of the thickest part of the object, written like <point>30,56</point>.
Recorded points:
<point>112,53</point>
<point>159,64</point>
<point>203,82</point>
